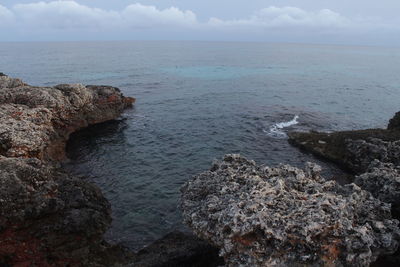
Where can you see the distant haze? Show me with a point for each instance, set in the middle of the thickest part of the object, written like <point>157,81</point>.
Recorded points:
<point>338,22</point>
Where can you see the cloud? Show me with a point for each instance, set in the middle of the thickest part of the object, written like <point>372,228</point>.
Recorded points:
<point>69,20</point>
<point>275,17</point>
<point>71,15</point>
<point>138,14</point>
<point>6,16</point>
<point>63,14</point>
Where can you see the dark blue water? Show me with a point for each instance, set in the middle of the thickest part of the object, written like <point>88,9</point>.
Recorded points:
<point>197,101</point>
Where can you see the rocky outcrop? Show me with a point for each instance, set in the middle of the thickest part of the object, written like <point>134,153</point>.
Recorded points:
<point>394,123</point>
<point>363,152</point>
<point>383,181</point>
<point>352,150</point>
<point>373,154</point>
<point>284,216</point>
<point>37,121</point>
<point>48,217</point>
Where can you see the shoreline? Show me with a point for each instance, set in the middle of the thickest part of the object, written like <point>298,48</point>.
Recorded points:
<point>48,216</point>
<point>51,218</point>
<point>286,216</point>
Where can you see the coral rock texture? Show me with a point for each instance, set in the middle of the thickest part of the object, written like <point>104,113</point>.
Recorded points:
<point>363,152</point>
<point>383,181</point>
<point>284,216</point>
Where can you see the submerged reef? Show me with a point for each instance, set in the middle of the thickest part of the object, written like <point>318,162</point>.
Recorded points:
<point>284,216</point>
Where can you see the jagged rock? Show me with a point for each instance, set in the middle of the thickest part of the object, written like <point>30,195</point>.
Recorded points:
<point>8,82</point>
<point>363,152</point>
<point>284,216</point>
<point>383,181</point>
<point>394,123</point>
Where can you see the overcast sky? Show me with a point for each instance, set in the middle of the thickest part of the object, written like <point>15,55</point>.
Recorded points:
<point>308,21</point>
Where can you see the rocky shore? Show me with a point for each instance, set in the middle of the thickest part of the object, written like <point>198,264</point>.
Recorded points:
<point>249,214</point>
<point>49,217</point>
<point>373,155</point>
<point>353,150</point>
<point>285,216</point>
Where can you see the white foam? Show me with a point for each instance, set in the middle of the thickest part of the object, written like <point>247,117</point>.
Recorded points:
<point>276,129</point>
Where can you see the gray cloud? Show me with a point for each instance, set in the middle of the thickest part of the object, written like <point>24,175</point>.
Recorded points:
<point>6,16</point>
<point>273,17</point>
<point>72,16</point>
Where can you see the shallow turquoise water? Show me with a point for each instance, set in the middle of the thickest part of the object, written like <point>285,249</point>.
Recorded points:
<point>197,101</point>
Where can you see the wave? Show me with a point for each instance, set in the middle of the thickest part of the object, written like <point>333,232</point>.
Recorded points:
<point>276,129</point>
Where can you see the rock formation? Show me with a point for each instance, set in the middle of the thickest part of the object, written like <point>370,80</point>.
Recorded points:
<point>383,181</point>
<point>47,217</point>
<point>394,123</point>
<point>284,216</point>
<point>352,150</point>
<point>36,121</point>
<point>372,154</point>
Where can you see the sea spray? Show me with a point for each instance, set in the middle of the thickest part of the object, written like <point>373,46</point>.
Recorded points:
<point>276,129</point>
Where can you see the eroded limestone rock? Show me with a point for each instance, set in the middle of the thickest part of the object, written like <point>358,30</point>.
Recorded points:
<point>36,121</point>
<point>284,216</point>
<point>383,181</point>
<point>363,152</point>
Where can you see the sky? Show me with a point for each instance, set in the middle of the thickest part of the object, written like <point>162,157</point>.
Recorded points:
<point>361,22</point>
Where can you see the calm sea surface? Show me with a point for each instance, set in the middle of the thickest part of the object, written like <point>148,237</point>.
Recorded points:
<point>197,101</point>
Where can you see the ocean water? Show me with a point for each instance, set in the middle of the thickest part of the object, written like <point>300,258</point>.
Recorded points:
<point>197,101</point>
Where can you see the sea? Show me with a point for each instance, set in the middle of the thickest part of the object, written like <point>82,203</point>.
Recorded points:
<point>197,101</point>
